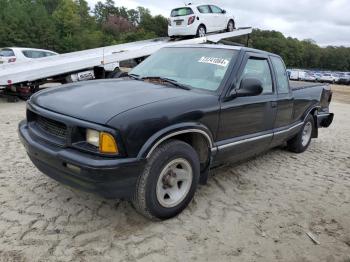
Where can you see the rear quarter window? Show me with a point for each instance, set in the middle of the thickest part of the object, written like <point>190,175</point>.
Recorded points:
<point>281,75</point>
<point>6,52</point>
<point>181,12</point>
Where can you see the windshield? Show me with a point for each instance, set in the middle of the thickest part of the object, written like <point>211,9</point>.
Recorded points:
<point>181,12</point>
<point>6,52</point>
<point>200,68</point>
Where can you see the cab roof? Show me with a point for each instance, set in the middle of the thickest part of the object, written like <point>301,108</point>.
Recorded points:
<point>222,46</point>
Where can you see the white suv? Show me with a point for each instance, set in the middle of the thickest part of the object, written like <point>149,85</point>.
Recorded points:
<point>329,78</point>
<point>198,20</point>
<point>16,54</point>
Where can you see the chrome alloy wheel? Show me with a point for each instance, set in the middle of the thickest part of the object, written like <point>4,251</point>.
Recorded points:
<point>174,183</point>
<point>306,136</point>
<point>231,26</point>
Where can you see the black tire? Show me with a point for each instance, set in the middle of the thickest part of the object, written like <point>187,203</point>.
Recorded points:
<point>296,144</point>
<point>201,27</point>
<point>145,198</point>
<point>228,29</point>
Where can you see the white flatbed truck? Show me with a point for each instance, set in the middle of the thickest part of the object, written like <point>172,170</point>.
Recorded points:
<point>23,79</point>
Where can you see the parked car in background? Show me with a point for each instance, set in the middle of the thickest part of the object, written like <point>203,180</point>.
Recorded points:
<point>328,78</point>
<point>297,75</point>
<point>17,54</point>
<point>344,79</point>
<point>309,77</point>
<point>198,20</point>
<point>318,76</point>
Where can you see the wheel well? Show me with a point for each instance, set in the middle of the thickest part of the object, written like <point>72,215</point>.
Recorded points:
<point>202,25</point>
<point>200,144</point>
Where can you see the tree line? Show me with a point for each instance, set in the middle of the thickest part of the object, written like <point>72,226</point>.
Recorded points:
<point>71,25</point>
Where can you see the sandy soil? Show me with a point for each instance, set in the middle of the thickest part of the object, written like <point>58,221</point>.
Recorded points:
<point>341,93</point>
<point>260,210</point>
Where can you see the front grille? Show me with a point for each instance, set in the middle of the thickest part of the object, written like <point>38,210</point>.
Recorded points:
<point>52,127</point>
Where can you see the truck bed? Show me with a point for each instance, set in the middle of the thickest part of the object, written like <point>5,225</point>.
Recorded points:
<point>297,85</point>
<point>312,92</point>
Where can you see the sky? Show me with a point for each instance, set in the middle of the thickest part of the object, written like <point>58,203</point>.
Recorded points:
<point>325,21</point>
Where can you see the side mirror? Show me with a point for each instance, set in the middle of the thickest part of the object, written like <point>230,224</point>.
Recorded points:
<point>248,87</point>
<point>224,11</point>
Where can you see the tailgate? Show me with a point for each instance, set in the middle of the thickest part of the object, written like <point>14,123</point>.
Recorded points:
<point>180,21</point>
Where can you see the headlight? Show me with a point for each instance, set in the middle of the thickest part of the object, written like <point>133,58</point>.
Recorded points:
<point>105,142</point>
<point>93,137</point>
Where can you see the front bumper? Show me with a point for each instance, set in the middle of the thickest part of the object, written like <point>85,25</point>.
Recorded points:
<point>108,177</point>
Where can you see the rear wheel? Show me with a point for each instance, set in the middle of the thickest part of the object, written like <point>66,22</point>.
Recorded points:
<point>201,31</point>
<point>230,26</point>
<point>168,182</point>
<point>302,140</point>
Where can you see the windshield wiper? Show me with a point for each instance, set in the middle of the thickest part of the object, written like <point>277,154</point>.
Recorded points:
<point>168,80</point>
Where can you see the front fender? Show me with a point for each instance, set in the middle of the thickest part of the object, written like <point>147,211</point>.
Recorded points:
<point>155,140</point>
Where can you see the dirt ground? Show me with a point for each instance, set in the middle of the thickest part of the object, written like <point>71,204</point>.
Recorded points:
<point>260,210</point>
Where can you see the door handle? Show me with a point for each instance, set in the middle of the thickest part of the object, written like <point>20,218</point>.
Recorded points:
<point>273,104</point>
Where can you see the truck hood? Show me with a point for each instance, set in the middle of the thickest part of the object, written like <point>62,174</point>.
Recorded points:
<point>99,101</point>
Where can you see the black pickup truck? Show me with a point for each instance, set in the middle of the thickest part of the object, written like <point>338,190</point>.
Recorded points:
<point>153,135</point>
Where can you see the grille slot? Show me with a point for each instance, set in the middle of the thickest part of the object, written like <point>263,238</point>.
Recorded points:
<point>52,127</point>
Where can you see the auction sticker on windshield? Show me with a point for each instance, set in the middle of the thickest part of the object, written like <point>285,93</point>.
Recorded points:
<point>214,61</point>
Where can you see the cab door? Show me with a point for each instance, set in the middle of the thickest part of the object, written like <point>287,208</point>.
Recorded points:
<point>246,123</point>
<point>285,102</point>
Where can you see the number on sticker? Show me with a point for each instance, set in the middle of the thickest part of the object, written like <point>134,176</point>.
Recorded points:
<point>214,61</point>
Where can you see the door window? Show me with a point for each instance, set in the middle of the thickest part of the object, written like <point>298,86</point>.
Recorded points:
<point>281,75</point>
<point>204,9</point>
<point>33,54</point>
<point>259,69</point>
<point>49,54</point>
<point>215,9</point>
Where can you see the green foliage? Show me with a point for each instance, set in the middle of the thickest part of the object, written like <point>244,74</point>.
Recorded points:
<point>300,54</point>
<point>70,25</point>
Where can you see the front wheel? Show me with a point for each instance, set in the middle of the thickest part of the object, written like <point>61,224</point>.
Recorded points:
<point>230,26</point>
<point>168,182</point>
<point>302,140</point>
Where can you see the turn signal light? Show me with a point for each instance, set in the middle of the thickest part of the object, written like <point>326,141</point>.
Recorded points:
<point>104,141</point>
<point>108,144</point>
